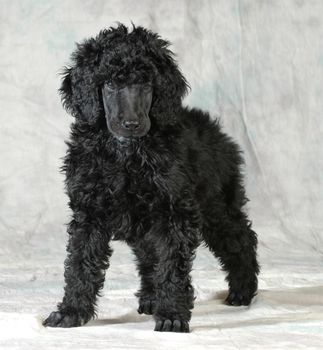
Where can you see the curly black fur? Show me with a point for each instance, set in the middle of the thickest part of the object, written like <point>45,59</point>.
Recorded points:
<point>163,193</point>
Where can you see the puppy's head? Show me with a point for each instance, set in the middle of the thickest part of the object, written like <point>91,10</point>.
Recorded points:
<point>128,79</point>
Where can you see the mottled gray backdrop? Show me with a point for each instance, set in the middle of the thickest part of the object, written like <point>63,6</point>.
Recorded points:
<point>258,65</point>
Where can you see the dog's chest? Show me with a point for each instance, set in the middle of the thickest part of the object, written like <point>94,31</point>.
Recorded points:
<point>134,194</point>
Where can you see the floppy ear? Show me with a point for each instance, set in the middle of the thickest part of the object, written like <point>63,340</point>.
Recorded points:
<point>66,90</point>
<point>79,90</point>
<point>170,84</point>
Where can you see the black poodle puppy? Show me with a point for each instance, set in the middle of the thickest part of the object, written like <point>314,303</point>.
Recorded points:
<point>142,168</point>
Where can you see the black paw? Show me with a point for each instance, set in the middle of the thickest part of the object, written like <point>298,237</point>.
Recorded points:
<point>172,326</point>
<point>237,299</point>
<point>59,319</point>
<point>146,306</point>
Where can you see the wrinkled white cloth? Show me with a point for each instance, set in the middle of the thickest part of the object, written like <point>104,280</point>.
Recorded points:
<point>256,64</point>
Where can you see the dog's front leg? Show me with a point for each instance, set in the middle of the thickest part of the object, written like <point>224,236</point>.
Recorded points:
<point>88,258</point>
<point>174,292</point>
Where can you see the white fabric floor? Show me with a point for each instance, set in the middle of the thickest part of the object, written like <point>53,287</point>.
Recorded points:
<point>259,66</point>
<point>287,312</point>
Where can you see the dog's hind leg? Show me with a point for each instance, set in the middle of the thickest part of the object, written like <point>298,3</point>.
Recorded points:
<point>146,261</point>
<point>231,239</point>
<point>88,258</point>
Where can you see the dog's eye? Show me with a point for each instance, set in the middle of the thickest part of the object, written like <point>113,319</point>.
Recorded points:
<point>110,86</point>
<point>147,87</point>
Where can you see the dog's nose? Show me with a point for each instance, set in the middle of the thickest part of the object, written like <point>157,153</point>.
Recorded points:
<point>130,124</point>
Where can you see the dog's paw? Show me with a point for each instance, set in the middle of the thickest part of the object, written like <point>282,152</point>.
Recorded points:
<point>60,319</point>
<point>147,306</point>
<point>237,299</point>
<point>172,326</point>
